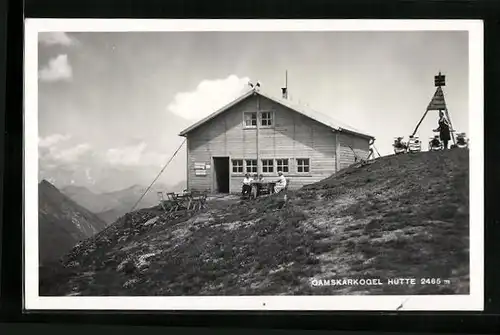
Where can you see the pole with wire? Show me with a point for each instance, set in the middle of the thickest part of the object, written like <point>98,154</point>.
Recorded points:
<point>158,176</point>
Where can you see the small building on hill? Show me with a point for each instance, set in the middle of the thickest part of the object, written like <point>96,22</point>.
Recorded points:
<point>259,133</point>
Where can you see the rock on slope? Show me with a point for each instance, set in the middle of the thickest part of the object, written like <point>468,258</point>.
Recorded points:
<point>401,216</point>
<point>62,223</point>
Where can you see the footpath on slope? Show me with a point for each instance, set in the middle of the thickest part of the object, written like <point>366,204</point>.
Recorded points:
<point>399,217</point>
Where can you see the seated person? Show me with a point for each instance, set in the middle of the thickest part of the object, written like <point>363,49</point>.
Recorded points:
<point>261,178</point>
<point>247,184</point>
<point>281,183</point>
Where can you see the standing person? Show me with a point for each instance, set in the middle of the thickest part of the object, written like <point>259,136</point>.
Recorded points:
<point>247,184</point>
<point>281,183</point>
<point>444,129</point>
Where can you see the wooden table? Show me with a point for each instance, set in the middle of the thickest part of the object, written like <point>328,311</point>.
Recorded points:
<point>191,200</point>
<point>258,186</point>
<point>184,200</point>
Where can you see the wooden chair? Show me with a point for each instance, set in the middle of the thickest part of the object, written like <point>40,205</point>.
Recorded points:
<point>173,198</point>
<point>203,199</point>
<point>187,201</point>
<point>197,199</point>
<point>162,200</point>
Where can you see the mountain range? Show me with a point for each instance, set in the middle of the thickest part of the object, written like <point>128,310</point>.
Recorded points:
<point>110,206</point>
<point>62,223</point>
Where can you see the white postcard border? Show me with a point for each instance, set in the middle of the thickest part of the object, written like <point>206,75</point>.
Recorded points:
<point>472,302</point>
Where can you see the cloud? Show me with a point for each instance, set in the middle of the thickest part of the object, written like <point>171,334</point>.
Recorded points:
<point>134,155</point>
<point>53,154</point>
<point>209,96</point>
<point>56,38</point>
<point>57,69</point>
<point>52,140</point>
<point>71,155</point>
<point>64,161</point>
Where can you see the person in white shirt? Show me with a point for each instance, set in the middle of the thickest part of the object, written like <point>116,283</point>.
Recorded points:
<point>281,183</point>
<point>247,184</point>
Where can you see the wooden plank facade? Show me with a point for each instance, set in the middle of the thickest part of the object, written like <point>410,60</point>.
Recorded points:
<point>259,135</point>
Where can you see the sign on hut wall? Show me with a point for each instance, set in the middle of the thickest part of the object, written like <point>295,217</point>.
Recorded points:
<point>200,172</point>
<point>200,169</point>
<point>199,166</point>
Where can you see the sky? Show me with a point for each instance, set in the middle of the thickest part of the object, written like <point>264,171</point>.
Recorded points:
<point>111,105</point>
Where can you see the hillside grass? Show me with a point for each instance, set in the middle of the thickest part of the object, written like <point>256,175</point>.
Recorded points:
<point>398,217</point>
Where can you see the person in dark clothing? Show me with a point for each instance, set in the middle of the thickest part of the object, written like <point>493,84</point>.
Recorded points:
<point>444,129</point>
<point>247,185</point>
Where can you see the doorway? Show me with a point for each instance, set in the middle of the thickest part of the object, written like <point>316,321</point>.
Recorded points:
<point>221,174</point>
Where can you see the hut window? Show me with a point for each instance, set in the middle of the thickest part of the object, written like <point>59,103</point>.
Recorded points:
<point>250,119</point>
<point>237,165</point>
<point>266,119</point>
<point>267,166</point>
<point>282,165</point>
<point>303,165</point>
<point>251,166</point>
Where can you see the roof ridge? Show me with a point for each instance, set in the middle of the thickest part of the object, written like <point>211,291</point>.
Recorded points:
<point>340,124</point>
<point>307,111</point>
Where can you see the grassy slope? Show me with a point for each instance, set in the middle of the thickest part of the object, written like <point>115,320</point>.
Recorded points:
<point>404,216</point>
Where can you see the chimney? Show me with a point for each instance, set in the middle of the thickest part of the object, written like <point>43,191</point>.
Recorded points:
<point>284,92</point>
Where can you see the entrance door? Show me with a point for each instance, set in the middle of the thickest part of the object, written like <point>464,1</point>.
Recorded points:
<point>221,174</point>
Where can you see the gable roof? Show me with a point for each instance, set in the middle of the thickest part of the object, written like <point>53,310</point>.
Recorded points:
<point>335,125</point>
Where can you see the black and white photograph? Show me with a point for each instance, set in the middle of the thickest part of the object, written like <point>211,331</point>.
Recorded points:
<point>253,164</point>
